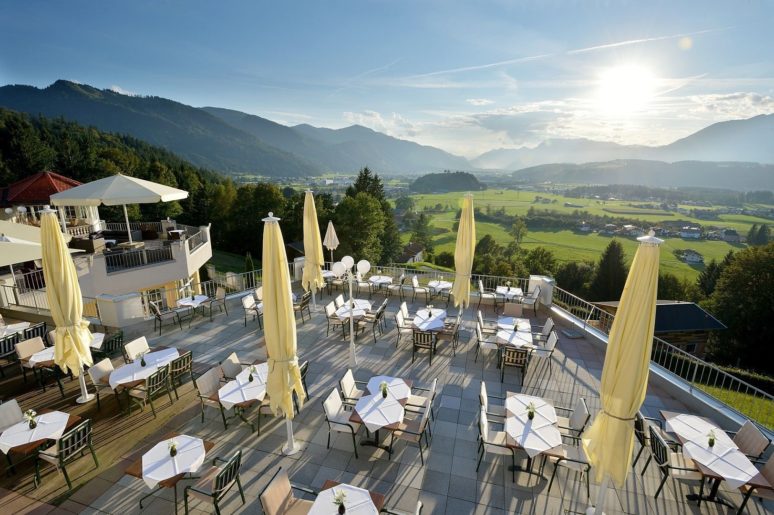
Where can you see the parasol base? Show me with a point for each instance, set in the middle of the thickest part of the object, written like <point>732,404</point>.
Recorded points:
<point>290,451</point>
<point>84,399</point>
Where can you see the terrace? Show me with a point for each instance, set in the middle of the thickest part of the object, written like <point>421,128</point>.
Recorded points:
<point>447,483</point>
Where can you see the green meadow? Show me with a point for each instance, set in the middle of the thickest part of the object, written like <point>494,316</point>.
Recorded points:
<point>570,245</point>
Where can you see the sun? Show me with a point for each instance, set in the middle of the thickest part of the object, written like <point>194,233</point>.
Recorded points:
<point>625,89</point>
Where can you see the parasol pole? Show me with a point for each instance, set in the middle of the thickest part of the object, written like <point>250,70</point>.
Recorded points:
<point>128,229</point>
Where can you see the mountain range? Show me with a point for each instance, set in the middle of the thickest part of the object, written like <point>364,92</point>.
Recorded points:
<point>234,142</point>
<point>736,140</point>
<point>657,174</point>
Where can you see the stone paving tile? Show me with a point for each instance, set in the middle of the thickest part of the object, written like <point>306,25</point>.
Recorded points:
<point>448,482</point>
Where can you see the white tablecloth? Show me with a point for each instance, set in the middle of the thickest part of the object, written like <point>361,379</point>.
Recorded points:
<point>724,458</point>
<point>439,285</point>
<point>695,429</point>
<point>357,501</point>
<point>362,307</point>
<point>46,354</point>
<point>509,323</point>
<point>135,372</point>
<point>536,435</point>
<point>241,389</point>
<point>327,274</point>
<point>187,302</point>
<point>509,293</point>
<point>396,387</point>
<point>380,280</point>
<point>13,328</point>
<point>429,320</point>
<point>51,426</point>
<point>377,412</point>
<point>97,340</point>
<point>158,465</point>
<point>515,338</point>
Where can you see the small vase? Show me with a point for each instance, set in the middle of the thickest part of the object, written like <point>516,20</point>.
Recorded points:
<point>250,378</point>
<point>142,362</point>
<point>530,415</point>
<point>193,297</point>
<point>173,451</point>
<point>711,442</point>
<point>384,394</point>
<point>33,424</point>
<point>342,509</point>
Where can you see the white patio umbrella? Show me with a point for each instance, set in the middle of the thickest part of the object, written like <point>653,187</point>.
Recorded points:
<point>118,190</point>
<point>279,327</point>
<point>16,250</point>
<point>331,241</point>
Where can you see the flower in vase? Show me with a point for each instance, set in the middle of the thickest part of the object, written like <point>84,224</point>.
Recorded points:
<point>30,415</point>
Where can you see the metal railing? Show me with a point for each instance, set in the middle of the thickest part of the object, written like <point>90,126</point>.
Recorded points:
<point>135,226</point>
<point>747,400</point>
<point>195,241</point>
<point>188,229</point>
<point>120,261</point>
<point>29,281</point>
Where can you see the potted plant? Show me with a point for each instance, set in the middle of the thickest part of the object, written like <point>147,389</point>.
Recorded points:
<point>338,499</point>
<point>531,410</point>
<point>250,375</point>
<point>29,417</point>
<point>508,284</point>
<point>383,388</point>
<point>172,444</point>
<point>711,439</point>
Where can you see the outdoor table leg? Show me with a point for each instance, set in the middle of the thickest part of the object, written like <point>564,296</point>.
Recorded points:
<point>240,412</point>
<point>375,442</point>
<point>712,497</point>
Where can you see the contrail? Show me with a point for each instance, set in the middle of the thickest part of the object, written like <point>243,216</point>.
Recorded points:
<point>568,52</point>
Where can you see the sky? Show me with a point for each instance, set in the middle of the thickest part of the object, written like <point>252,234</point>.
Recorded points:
<point>467,77</point>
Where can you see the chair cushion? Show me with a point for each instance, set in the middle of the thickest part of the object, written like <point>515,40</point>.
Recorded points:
<point>678,459</point>
<point>417,400</point>
<point>50,454</point>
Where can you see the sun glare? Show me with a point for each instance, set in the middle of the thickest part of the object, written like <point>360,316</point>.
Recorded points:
<point>625,89</point>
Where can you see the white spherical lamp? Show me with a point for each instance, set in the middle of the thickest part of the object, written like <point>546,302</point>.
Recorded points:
<point>348,262</point>
<point>338,269</point>
<point>363,266</point>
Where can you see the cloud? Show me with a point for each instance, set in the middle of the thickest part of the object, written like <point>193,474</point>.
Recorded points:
<point>394,125</point>
<point>734,105</point>
<point>121,91</point>
<point>479,101</point>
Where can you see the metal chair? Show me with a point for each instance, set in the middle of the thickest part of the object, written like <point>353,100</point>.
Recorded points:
<point>251,308</point>
<point>483,400</point>
<point>395,511</point>
<point>533,299</point>
<point>334,321</point>
<point>232,366</point>
<point>402,326</point>
<point>338,301</point>
<point>338,418</point>
<point>574,459</point>
<point>219,300</point>
<point>424,401</point>
<point>8,351</point>
<point>642,426</point>
<point>24,351</point>
<point>512,309</point>
<point>485,342</point>
<point>350,393</point>
<point>156,383</point>
<point>424,340</point>
<point>99,374</point>
<point>216,482</point>
<point>303,305</point>
<point>545,330</point>
<point>493,442</point>
<point>514,357</point>
<point>40,329</point>
<point>159,316</point>
<point>547,351</point>
<point>135,349</point>
<point>671,463</point>
<point>112,344</point>
<point>575,423</point>
<point>178,367</point>
<point>747,491</point>
<point>487,326</point>
<point>397,287</point>
<point>207,386</point>
<point>484,294</point>
<point>412,431</point>
<point>362,283</point>
<point>69,447</point>
<point>277,497</point>
<point>751,441</point>
<point>421,290</point>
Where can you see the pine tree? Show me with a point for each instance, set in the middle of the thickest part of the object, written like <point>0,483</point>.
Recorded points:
<point>752,235</point>
<point>610,277</point>
<point>764,235</point>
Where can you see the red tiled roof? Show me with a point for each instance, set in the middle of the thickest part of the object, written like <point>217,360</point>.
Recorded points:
<point>37,188</point>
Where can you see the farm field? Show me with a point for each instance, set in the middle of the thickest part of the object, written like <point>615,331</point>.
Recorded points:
<point>569,245</point>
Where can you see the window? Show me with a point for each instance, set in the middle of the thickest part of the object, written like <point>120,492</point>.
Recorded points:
<point>691,347</point>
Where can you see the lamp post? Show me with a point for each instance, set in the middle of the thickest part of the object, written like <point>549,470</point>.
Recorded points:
<point>344,268</point>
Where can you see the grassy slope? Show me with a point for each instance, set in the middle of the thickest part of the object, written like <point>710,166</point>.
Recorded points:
<point>572,246</point>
